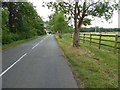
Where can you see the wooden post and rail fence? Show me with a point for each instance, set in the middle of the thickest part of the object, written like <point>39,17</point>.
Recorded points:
<point>89,38</point>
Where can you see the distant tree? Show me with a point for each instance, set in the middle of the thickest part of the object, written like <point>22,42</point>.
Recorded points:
<point>57,23</point>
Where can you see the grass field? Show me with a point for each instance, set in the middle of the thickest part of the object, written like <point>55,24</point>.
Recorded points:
<point>93,67</point>
<point>103,42</point>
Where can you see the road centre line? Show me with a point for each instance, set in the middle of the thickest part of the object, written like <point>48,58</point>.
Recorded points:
<point>41,41</point>
<point>12,65</point>
<point>35,46</point>
<point>19,59</point>
<point>44,38</point>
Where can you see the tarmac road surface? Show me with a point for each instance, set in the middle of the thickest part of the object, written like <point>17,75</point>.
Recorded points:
<point>38,63</point>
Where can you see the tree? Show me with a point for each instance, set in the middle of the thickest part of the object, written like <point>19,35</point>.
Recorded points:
<point>81,10</point>
<point>12,8</point>
<point>20,21</point>
<point>57,23</point>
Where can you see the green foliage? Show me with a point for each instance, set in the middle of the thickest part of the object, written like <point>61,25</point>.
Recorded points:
<point>57,23</point>
<point>6,37</point>
<point>70,29</point>
<point>86,21</point>
<point>103,9</point>
<point>20,21</point>
<point>4,16</point>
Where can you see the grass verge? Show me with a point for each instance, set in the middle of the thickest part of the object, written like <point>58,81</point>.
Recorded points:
<point>13,44</point>
<point>93,67</point>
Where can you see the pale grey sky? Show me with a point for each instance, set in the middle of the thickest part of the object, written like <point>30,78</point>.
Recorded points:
<point>44,12</point>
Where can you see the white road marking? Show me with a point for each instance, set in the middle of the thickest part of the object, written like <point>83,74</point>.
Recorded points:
<point>44,38</point>
<point>13,64</point>
<point>20,58</point>
<point>41,41</point>
<point>35,45</point>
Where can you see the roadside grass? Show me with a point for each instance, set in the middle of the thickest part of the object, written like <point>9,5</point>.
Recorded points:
<point>15,43</point>
<point>93,67</point>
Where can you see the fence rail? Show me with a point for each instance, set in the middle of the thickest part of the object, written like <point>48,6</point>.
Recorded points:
<point>91,37</point>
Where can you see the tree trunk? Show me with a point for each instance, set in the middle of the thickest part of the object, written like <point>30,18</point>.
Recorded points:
<point>76,31</point>
<point>76,38</point>
<point>60,35</point>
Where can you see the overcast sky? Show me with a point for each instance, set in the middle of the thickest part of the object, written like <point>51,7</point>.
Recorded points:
<point>44,12</point>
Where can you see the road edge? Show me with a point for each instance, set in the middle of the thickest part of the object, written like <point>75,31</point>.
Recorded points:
<point>69,64</point>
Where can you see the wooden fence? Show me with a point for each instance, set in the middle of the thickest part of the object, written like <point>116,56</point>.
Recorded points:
<point>90,38</point>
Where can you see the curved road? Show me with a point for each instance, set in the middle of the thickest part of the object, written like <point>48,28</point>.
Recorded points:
<point>36,64</point>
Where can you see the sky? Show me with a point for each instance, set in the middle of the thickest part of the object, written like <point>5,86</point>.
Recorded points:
<point>44,12</point>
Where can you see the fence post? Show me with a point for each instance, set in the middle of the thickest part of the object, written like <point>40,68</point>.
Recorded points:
<point>90,38</point>
<point>100,41</point>
<point>84,39</point>
<point>115,47</point>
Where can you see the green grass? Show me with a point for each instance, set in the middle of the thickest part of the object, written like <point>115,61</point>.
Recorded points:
<point>93,67</point>
<point>103,42</point>
<point>15,43</point>
<point>103,37</point>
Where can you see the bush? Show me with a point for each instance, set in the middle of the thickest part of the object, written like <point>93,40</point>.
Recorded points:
<point>14,36</point>
<point>6,37</point>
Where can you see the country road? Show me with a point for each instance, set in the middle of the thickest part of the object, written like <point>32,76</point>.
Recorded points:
<point>36,64</point>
